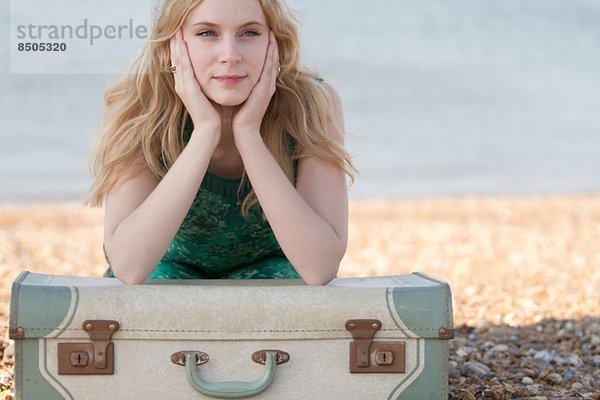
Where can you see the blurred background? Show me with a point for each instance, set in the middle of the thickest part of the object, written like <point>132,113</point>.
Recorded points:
<point>441,98</point>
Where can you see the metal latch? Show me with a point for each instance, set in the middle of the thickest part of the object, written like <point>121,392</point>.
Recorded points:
<point>95,358</point>
<point>367,356</point>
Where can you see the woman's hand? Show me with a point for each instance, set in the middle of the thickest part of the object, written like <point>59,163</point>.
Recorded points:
<point>247,120</point>
<point>205,116</point>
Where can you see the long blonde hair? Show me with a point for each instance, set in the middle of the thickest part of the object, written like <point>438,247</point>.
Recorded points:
<point>144,119</point>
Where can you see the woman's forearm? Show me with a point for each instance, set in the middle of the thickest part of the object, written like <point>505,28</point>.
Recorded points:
<point>140,241</point>
<point>308,241</point>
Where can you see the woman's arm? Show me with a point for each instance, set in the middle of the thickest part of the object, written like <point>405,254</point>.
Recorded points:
<point>311,220</point>
<point>142,215</point>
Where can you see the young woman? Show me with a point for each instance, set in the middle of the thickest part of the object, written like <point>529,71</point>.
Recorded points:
<point>220,156</point>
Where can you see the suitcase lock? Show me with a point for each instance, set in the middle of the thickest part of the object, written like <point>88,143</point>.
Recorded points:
<point>367,356</point>
<point>95,358</point>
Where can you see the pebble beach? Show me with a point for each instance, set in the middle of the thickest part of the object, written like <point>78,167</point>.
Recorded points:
<point>524,272</point>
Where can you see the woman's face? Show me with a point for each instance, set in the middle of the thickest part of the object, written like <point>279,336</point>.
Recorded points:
<point>227,38</point>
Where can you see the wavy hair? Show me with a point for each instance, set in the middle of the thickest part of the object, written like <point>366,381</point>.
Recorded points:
<point>144,119</point>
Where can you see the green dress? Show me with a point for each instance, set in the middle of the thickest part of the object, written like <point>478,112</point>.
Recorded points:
<point>216,242</point>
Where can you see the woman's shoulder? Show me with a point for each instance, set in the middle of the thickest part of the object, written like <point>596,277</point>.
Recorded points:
<point>335,101</point>
<point>331,91</point>
<point>335,108</point>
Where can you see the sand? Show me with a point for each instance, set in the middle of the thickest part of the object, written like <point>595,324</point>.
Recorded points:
<point>511,261</point>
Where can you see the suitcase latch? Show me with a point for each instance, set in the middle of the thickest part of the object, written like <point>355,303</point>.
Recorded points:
<point>367,356</point>
<point>95,358</point>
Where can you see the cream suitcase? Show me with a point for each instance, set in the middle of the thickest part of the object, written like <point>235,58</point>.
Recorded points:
<point>356,338</point>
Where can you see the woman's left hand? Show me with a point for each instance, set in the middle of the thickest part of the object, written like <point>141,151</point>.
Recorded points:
<point>247,120</point>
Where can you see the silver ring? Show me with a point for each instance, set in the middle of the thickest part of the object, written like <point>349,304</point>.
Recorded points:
<point>278,68</point>
<point>172,69</point>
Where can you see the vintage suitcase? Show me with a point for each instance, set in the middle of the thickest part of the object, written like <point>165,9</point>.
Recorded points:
<point>356,338</point>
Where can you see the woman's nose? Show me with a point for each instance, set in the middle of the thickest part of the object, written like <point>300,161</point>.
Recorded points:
<point>229,51</point>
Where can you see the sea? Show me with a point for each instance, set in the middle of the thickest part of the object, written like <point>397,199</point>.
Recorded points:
<point>441,98</point>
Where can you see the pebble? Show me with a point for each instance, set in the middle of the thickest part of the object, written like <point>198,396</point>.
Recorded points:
<point>465,351</point>
<point>572,359</point>
<point>529,372</point>
<point>527,380</point>
<point>591,396</point>
<point>9,352</point>
<point>544,355</point>
<point>569,375</point>
<point>502,348</point>
<point>491,394</point>
<point>476,368</point>
<point>554,378</point>
<point>453,371</point>
<point>534,388</point>
<point>5,378</point>
<point>467,395</point>
<point>569,325</point>
<point>577,386</point>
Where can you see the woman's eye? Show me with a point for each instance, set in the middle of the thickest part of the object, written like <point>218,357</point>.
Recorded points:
<point>251,33</point>
<point>205,33</point>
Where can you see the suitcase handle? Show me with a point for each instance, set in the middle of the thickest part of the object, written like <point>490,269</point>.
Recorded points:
<point>232,389</point>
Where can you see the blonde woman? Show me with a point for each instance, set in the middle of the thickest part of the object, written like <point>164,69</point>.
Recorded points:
<point>220,156</point>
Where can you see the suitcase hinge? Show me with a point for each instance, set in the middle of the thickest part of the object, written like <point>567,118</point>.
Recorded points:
<point>446,334</point>
<point>16,334</point>
<point>95,358</point>
<point>367,356</point>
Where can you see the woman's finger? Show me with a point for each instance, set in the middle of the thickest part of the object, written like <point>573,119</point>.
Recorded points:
<point>271,62</point>
<point>171,49</point>
<point>266,81</point>
<point>275,59</point>
<point>174,55</point>
<point>275,54</point>
<point>186,64</point>
<point>182,60</point>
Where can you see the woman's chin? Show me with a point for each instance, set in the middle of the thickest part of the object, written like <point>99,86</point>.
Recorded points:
<point>228,101</point>
<point>232,103</point>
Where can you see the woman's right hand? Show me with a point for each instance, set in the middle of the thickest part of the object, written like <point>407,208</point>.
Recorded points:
<point>205,116</point>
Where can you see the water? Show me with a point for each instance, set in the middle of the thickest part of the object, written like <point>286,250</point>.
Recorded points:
<point>440,98</point>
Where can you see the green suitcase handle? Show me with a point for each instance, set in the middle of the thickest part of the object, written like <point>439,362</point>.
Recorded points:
<point>233,389</point>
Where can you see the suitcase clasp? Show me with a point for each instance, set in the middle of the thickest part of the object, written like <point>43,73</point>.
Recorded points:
<point>95,358</point>
<point>367,356</point>
<point>362,331</point>
<point>100,332</point>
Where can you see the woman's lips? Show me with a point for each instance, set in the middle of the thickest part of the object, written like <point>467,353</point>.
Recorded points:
<point>229,80</point>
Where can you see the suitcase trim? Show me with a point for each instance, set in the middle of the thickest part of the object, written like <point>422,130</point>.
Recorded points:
<point>15,332</point>
<point>449,309</point>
